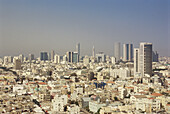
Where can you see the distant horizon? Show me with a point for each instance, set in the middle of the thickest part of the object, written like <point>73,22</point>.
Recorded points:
<point>29,26</point>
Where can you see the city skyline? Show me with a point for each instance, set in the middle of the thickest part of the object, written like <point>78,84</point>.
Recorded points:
<point>118,52</point>
<point>84,56</point>
<point>31,27</point>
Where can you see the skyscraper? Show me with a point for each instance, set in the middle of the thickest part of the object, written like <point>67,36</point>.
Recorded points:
<point>136,61</point>
<point>17,64</point>
<point>101,57</point>
<point>72,57</point>
<point>78,48</point>
<point>43,56</point>
<point>75,57</point>
<point>93,52</point>
<point>143,59</point>
<point>31,57</point>
<point>155,56</point>
<point>117,51</point>
<point>21,57</point>
<point>69,56</point>
<point>127,52</point>
<point>52,55</point>
<point>57,58</point>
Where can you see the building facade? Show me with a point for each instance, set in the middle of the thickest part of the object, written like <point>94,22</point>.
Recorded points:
<point>127,52</point>
<point>143,59</point>
<point>43,56</point>
<point>136,61</point>
<point>101,57</point>
<point>72,57</point>
<point>117,51</point>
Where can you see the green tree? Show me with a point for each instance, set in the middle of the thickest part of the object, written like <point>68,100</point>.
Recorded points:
<point>98,112</point>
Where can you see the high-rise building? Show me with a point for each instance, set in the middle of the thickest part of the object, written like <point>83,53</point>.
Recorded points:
<point>21,57</point>
<point>155,56</point>
<point>69,56</point>
<point>7,59</point>
<point>31,57</point>
<point>57,58</point>
<point>136,61</point>
<point>113,60</point>
<point>93,52</point>
<point>101,57</point>
<point>78,48</point>
<point>117,51</point>
<point>143,59</point>
<point>75,57</point>
<point>72,57</point>
<point>78,51</point>
<point>43,56</point>
<point>127,52</point>
<point>14,58</point>
<point>49,56</point>
<point>52,55</point>
<point>17,64</point>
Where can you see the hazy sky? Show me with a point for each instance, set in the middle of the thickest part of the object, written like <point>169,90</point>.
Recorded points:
<point>31,26</point>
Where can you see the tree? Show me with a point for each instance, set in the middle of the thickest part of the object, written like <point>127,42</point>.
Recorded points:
<point>151,90</point>
<point>116,99</point>
<point>76,103</point>
<point>98,112</point>
<point>73,74</point>
<point>65,108</point>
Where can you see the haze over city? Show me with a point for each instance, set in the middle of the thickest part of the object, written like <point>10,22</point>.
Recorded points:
<point>84,57</point>
<point>29,26</point>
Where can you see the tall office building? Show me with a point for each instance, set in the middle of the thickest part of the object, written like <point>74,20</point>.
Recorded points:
<point>31,57</point>
<point>127,52</point>
<point>72,57</point>
<point>113,60</point>
<point>78,50</point>
<point>117,51</point>
<point>43,56</point>
<point>57,58</point>
<point>136,61</point>
<point>17,64</point>
<point>75,57</point>
<point>93,52</point>
<point>7,59</point>
<point>52,55</point>
<point>21,57</point>
<point>101,57</point>
<point>143,59</point>
<point>69,56</point>
<point>155,56</point>
<point>49,56</point>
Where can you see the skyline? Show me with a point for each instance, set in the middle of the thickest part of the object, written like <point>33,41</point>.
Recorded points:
<point>34,26</point>
<point>118,52</point>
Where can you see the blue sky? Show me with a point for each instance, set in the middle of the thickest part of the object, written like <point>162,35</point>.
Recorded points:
<point>31,26</point>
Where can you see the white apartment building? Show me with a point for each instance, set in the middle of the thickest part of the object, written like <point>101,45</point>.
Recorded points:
<point>94,106</point>
<point>58,103</point>
<point>121,73</point>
